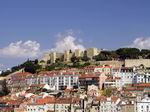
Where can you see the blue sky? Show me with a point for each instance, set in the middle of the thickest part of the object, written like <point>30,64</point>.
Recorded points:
<point>108,24</point>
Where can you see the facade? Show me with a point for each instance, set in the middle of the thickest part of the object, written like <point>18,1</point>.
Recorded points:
<point>111,104</point>
<point>93,90</point>
<point>86,80</point>
<point>102,79</point>
<point>18,82</point>
<point>51,104</point>
<point>142,78</point>
<point>126,74</point>
<point>127,106</point>
<point>107,70</point>
<point>113,82</point>
<point>143,105</point>
<point>56,81</point>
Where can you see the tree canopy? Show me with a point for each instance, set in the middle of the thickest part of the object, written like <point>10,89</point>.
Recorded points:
<point>128,53</point>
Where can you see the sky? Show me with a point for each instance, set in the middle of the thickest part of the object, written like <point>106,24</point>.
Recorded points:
<point>28,28</point>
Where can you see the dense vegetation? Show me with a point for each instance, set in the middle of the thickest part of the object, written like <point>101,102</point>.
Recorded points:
<point>3,88</point>
<point>28,66</point>
<point>123,53</point>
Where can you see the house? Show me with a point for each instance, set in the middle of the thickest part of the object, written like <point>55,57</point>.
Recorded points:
<point>127,106</point>
<point>126,74</point>
<point>93,90</point>
<point>142,78</point>
<point>86,80</point>
<point>105,69</point>
<point>18,82</point>
<point>143,105</point>
<point>108,104</point>
<point>52,104</point>
<point>113,82</point>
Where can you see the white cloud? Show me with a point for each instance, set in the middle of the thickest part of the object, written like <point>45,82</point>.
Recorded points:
<point>67,42</point>
<point>141,43</point>
<point>27,49</point>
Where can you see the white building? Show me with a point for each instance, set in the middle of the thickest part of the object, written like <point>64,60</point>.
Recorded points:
<point>142,78</point>
<point>126,73</point>
<point>143,105</point>
<point>113,82</point>
<point>109,104</point>
<point>56,80</point>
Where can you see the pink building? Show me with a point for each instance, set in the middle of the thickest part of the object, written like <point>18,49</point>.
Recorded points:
<point>102,79</point>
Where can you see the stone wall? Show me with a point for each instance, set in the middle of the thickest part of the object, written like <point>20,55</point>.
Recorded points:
<point>112,63</point>
<point>137,62</point>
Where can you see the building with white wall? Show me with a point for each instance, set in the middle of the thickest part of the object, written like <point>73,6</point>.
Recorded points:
<point>108,104</point>
<point>143,105</point>
<point>142,78</point>
<point>56,81</point>
<point>125,73</point>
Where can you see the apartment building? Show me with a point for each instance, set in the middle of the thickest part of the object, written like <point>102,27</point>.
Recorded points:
<point>18,81</point>
<point>126,74</point>
<point>108,104</point>
<point>107,70</point>
<point>57,80</point>
<point>143,105</point>
<point>52,104</point>
<point>113,82</point>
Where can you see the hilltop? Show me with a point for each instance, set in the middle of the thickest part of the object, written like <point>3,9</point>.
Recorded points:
<point>78,59</point>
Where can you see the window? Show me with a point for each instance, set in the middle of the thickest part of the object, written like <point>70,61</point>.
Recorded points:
<point>147,106</point>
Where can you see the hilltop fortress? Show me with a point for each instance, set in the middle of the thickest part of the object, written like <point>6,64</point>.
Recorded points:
<point>67,55</point>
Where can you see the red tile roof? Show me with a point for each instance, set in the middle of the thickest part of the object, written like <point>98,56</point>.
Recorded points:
<point>82,76</point>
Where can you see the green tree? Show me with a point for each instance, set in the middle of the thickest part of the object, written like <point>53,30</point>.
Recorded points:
<point>128,53</point>
<point>49,62</point>
<point>107,92</point>
<point>4,91</point>
<point>42,61</point>
<point>85,57</point>
<point>74,59</point>
<point>145,53</point>
<point>31,67</point>
<point>5,73</point>
<point>36,61</point>
<point>114,55</point>
<point>103,55</point>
